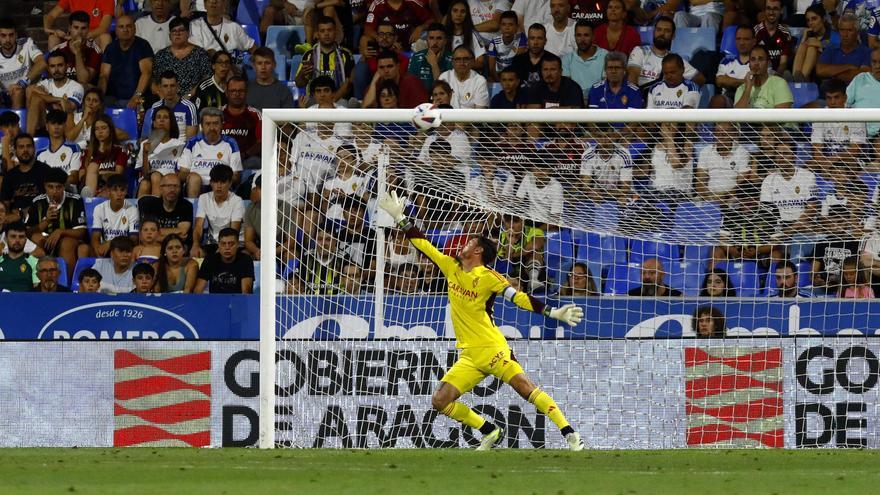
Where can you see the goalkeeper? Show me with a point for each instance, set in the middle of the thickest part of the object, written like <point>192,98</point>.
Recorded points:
<point>484,350</point>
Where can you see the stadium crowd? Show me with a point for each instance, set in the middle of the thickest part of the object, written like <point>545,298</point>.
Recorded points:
<point>131,143</point>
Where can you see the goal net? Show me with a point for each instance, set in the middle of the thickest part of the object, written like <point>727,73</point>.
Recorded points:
<point>725,263</point>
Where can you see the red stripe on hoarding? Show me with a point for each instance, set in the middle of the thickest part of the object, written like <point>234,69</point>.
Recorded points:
<point>719,384</point>
<point>180,365</point>
<point>174,413</point>
<point>740,413</point>
<point>709,434</point>
<point>758,361</point>
<point>150,385</point>
<point>142,434</point>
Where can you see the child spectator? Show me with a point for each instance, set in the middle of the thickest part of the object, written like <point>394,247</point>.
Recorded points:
<point>219,208</point>
<point>113,218</point>
<point>89,281</point>
<point>716,283</point>
<point>143,277</point>
<point>854,282</point>
<point>116,277</point>
<point>149,247</point>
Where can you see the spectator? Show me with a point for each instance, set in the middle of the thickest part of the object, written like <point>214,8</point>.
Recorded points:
<point>787,280</point>
<point>672,162</point>
<point>511,94</point>
<point>733,69</point>
<point>143,278</point>
<point>616,35</point>
<point>103,158</point>
<point>327,58</point>
<point>189,63</point>
<point>441,94</point>
<point>155,26</point>
<point>399,251</point>
<point>215,32</point>
<point>840,142</point>
<point>386,40</point>
<point>532,12</point>
<point>701,13</point>
<point>48,273</point>
<point>864,91</point>
<point>348,181</point>
<point>579,281</point>
<point>585,65</point>
<point>311,160</point>
<point>265,91</point>
<point>815,41</point>
<point>356,239</point>
<point>351,280</point>
<point>406,279</point>
<point>469,89</point>
<point>228,270</point>
<point>673,90</point>
<point>460,29</point>
<point>243,123</point>
<point>219,209</point>
<point>645,14</point>
<point>606,168</point>
<point>24,182</point>
<point>653,274</point>
<point>408,17</point>
<point>126,66</point>
<point>775,37</point>
<point>78,128</point>
<point>29,247</point>
<point>789,189</point>
<point>149,246</point>
<point>723,165</point>
<point>173,213</point>
<point>206,151</point>
<point>100,17</point>
<point>615,91</point>
<point>429,63</point>
<point>716,283</point>
<point>646,62</point>
<point>18,269</point>
<point>175,272</point>
<point>81,54</point>
<point>837,225</point>
<point>528,64</point>
<point>762,89</point>
<point>57,222</point>
<point>60,153</point>
<point>560,32</point>
<point>708,322</point>
<point>252,226</point>
<point>847,59</point>
<point>412,91</point>
<point>459,143</point>
<point>554,90</point>
<point>322,90</point>
<point>212,91</point>
<point>112,219</point>
<point>543,195</point>
<point>89,281</point>
<point>9,128</point>
<point>284,13</point>
<point>509,43</point>
<point>486,15</point>
<point>854,280</point>
<point>57,92</point>
<point>158,155</point>
<point>116,271</point>
<point>25,64</point>
<point>184,110</point>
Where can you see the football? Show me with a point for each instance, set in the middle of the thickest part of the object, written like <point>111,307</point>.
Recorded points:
<point>426,117</point>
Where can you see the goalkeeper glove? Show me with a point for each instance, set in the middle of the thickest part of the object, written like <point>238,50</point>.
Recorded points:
<point>393,206</point>
<point>570,314</point>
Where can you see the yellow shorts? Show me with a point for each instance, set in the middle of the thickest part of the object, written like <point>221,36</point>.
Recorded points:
<point>476,363</point>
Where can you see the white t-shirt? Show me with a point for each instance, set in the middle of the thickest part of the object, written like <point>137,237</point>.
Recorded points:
<point>230,33</point>
<point>651,65</point>
<point>458,140</point>
<point>485,10</point>
<point>476,44</point>
<point>218,216</point>
<point>732,67</point>
<point>560,43</point>
<point>113,224</point>
<point>662,95</point>
<point>666,178</point>
<point>312,160</point>
<point>112,282</point>
<point>29,246</point>
<point>163,158</point>
<point>501,186</point>
<point>789,195</point>
<point>723,170</point>
<point>470,93</point>
<point>85,133</point>
<point>67,157</point>
<point>71,90</point>
<point>155,33</point>
<point>607,170</point>
<point>832,137</point>
<point>544,201</point>
<point>532,11</point>
<point>199,157</point>
<point>15,67</point>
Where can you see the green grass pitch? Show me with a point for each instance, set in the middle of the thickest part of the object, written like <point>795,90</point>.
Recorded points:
<point>388,472</point>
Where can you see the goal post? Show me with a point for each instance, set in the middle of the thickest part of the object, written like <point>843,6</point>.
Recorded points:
<point>355,327</point>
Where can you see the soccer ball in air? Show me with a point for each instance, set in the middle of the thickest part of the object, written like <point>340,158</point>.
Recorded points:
<point>426,117</point>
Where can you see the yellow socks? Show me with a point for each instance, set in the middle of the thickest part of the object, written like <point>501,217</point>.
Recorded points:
<point>464,414</point>
<point>546,405</point>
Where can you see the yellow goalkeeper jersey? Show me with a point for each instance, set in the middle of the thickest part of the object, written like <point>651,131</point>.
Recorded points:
<point>471,297</point>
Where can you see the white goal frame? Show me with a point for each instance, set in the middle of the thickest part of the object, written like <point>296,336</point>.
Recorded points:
<point>271,118</point>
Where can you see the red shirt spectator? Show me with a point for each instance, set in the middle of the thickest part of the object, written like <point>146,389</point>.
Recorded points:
<point>589,10</point>
<point>245,128</point>
<point>406,17</point>
<point>628,40</point>
<point>779,43</point>
<point>91,57</point>
<point>96,9</point>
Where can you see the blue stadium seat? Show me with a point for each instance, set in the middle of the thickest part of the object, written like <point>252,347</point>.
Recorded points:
<point>280,67</point>
<point>688,41</point>
<point>81,264</point>
<point>805,278</point>
<point>743,277</point>
<point>22,115</point>
<point>439,238</point>
<point>697,254</point>
<point>728,42</point>
<point>256,276</point>
<point>90,204</point>
<point>494,89</point>
<point>803,93</point>
<point>646,33</point>
<point>253,30</point>
<point>558,253</point>
<point>294,66</point>
<point>605,216</point>
<point>125,119</point>
<point>686,276</point>
<point>277,38</point>
<point>797,33</point>
<point>250,11</point>
<point>696,222</point>
<point>640,250</point>
<point>41,143</point>
<point>130,6</point>
<point>605,249</point>
<point>622,278</point>
<point>707,91</point>
<point>62,275</point>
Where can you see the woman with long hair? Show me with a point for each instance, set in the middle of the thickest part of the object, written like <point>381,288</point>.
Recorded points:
<point>818,36</point>
<point>616,35</point>
<point>854,283</point>
<point>579,282</point>
<point>175,272</point>
<point>708,322</point>
<point>103,157</point>
<point>159,153</point>
<point>716,283</point>
<point>78,128</point>
<point>441,93</point>
<point>460,31</point>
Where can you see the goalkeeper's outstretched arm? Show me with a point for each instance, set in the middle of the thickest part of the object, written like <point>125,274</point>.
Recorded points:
<point>570,314</point>
<point>394,206</point>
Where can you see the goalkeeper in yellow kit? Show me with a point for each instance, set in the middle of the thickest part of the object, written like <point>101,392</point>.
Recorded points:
<point>484,350</point>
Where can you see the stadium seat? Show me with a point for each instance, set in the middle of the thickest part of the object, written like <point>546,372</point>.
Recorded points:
<point>250,11</point>
<point>728,42</point>
<point>605,249</point>
<point>697,254</point>
<point>621,278</point>
<point>646,33</point>
<point>280,67</point>
<point>294,66</point>
<point>41,143</point>
<point>494,89</point>
<point>695,222</point>
<point>81,264</point>
<point>90,204</point>
<point>805,278</point>
<point>558,253</point>
<point>125,119</point>
<point>707,91</point>
<point>605,216</point>
<point>278,37</point>
<point>253,30</point>
<point>743,277</point>
<point>688,41</point>
<point>797,33</point>
<point>686,276</point>
<point>439,238</point>
<point>803,93</point>
<point>640,250</point>
<point>294,91</point>
<point>256,276</point>
<point>62,275</point>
